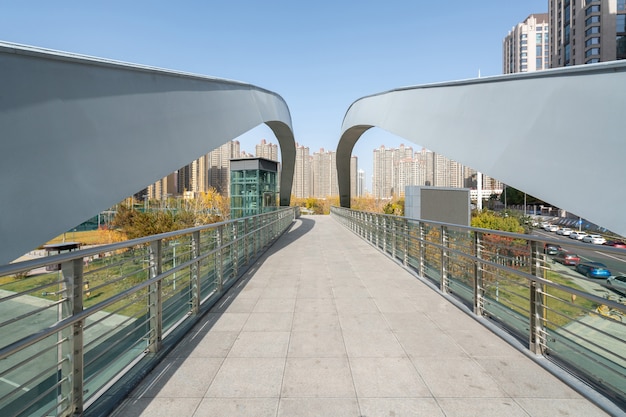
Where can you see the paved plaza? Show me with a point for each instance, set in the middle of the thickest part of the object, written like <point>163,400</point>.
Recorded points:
<point>326,325</point>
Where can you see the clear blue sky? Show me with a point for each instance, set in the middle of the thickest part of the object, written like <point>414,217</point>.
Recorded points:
<point>319,56</point>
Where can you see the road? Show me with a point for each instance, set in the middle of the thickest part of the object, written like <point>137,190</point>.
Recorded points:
<point>616,263</point>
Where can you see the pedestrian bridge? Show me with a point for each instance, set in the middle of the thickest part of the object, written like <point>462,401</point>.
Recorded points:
<point>352,314</point>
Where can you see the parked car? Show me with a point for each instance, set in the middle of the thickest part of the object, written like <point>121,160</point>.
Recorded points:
<point>551,248</point>
<point>616,244</point>
<point>566,258</point>
<point>617,283</point>
<point>595,239</point>
<point>552,228</point>
<point>593,269</point>
<point>565,231</point>
<point>577,235</point>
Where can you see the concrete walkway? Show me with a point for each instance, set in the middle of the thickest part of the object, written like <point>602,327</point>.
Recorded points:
<point>329,326</point>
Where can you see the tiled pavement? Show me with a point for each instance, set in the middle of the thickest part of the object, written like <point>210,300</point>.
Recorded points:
<point>328,326</point>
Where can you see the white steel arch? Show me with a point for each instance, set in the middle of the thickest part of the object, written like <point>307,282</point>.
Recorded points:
<point>556,134</point>
<point>79,134</point>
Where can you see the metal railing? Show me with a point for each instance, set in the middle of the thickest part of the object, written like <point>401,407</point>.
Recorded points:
<point>576,322</point>
<point>73,325</point>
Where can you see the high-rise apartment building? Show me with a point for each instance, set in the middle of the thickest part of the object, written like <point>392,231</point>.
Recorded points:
<point>360,183</point>
<point>527,46</point>
<point>218,162</point>
<point>266,150</point>
<point>162,189</point>
<point>324,169</point>
<point>423,168</point>
<point>302,177</point>
<point>586,31</point>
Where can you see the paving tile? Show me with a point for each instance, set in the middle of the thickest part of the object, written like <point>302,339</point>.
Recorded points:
<point>275,305</point>
<point>248,378</point>
<point>544,407</point>
<point>520,377</point>
<point>400,407</point>
<point>315,305</point>
<point>315,322</point>
<point>387,378</point>
<point>363,322</point>
<point>375,344</point>
<point>237,407</point>
<point>260,345</point>
<point>226,322</point>
<point>430,345</point>
<point>317,344</point>
<point>316,407</point>
<point>269,322</point>
<point>205,345</point>
<point>318,377</point>
<point>157,407</point>
<point>457,377</point>
<point>484,407</point>
<point>183,378</point>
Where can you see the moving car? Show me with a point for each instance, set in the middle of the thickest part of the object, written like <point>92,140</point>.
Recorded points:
<point>616,244</point>
<point>617,283</point>
<point>577,235</point>
<point>566,258</point>
<point>551,248</point>
<point>595,239</point>
<point>593,269</point>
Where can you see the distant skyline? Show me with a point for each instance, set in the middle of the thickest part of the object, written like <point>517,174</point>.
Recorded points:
<point>320,57</point>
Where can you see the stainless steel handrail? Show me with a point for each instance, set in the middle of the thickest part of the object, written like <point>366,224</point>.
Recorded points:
<point>88,346</point>
<point>522,292</point>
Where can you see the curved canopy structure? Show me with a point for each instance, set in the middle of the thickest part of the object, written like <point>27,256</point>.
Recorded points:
<point>557,134</point>
<point>80,134</point>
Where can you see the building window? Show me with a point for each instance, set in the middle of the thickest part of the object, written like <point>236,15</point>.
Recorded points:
<point>592,51</point>
<point>592,19</point>
<point>567,34</point>
<point>620,23</point>
<point>539,37</point>
<point>620,42</point>
<point>592,41</point>
<point>523,36</point>
<point>592,30</point>
<point>592,9</point>
<point>539,63</point>
<point>593,61</point>
<point>621,5</point>
<point>538,51</point>
<point>539,29</point>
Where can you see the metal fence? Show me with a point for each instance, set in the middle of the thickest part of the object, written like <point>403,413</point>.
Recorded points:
<point>78,328</point>
<point>576,322</point>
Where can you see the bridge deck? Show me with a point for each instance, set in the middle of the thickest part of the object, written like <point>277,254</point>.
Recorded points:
<point>328,326</point>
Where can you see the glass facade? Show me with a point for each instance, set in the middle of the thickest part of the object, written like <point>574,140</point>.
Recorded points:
<point>253,186</point>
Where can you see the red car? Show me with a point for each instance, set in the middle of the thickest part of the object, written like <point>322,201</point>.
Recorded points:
<point>616,244</point>
<point>566,258</point>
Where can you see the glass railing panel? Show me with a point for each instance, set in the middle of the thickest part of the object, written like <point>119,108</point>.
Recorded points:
<point>586,336</point>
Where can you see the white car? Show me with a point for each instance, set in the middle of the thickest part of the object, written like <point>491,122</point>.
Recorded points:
<point>566,231</point>
<point>551,228</point>
<point>577,235</point>
<point>595,239</point>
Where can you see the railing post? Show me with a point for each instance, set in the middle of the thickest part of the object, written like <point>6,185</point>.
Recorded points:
<point>71,350</point>
<point>405,227</point>
<point>194,273</point>
<point>235,249</point>
<point>537,305</point>
<point>444,259</point>
<point>394,231</point>
<point>155,300</point>
<point>219,265</point>
<point>478,275</point>
<point>246,241</point>
<point>422,241</point>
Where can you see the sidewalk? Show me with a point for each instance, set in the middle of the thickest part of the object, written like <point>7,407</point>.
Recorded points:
<point>328,326</point>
